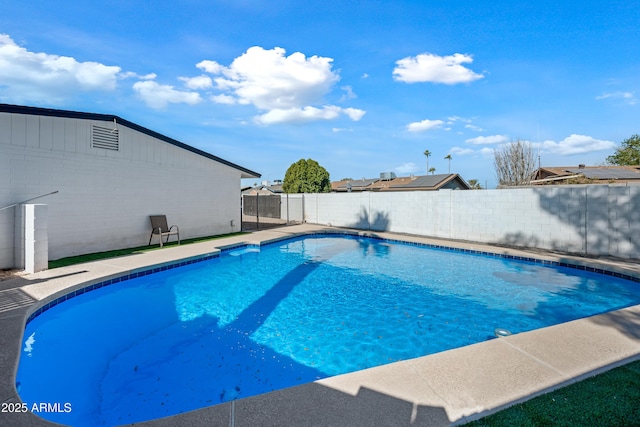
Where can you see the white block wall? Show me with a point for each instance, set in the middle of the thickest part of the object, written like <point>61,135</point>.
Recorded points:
<point>586,219</point>
<point>292,207</point>
<point>31,237</point>
<point>6,237</point>
<point>105,197</point>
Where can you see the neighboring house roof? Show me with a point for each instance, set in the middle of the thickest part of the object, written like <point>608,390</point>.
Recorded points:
<point>354,184</point>
<point>263,189</point>
<point>605,174</point>
<point>35,111</point>
<point>424,183</point>
<point>276,188</point>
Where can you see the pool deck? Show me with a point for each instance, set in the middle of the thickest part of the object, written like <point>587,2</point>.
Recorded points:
<point>448,388</point>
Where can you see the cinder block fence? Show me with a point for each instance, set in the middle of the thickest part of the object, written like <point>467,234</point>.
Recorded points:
<point>598,220</point>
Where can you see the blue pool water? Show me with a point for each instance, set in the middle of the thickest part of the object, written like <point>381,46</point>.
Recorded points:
<point>259,319</point>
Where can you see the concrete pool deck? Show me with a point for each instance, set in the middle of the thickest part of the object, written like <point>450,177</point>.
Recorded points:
<point>451,387</point>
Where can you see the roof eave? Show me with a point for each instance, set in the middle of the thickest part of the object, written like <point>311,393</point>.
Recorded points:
<point>49,112</point>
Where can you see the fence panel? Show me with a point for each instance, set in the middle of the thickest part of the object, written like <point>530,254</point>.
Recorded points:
<point>261,211</point>
<point>293,208</point>
<point>599,220</point>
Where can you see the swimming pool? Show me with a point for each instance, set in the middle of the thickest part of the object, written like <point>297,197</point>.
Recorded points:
<point>262,318</point>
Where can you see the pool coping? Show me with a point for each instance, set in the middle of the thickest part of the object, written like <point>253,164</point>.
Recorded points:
<point>471,381</point>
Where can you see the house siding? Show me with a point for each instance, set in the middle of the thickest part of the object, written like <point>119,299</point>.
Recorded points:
<point>105,196</point>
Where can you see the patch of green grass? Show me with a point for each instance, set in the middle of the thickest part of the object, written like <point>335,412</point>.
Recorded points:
<point>78,259</point>
<point>608,399</point>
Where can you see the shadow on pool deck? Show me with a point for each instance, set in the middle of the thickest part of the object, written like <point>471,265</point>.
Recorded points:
<point>624,321</point>
<point>367,408</point>
<point>312,404</point>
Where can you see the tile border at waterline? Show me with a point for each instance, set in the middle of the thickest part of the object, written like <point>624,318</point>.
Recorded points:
<point>45,305</point>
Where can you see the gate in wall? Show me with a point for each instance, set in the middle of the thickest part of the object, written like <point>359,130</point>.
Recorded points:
<point>261,211</point>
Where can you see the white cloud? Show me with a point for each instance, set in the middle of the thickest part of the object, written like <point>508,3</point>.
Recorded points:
<point>211,67</point>
<point>131,74</point>
<point>197,83</point>
<point>575,144</point>
<point>158,96</point>
<point>269,80</point>
<point>453,119</point>
<point>428,67</point>
<point>306,114</point>
<point>223,99</point>
<point>474,127</point>
<point>348,93</point>
<point>483,140</point>
<point>627,97</point>
<point>462,151</point>
<point>354,114</point>
<point>424,125</point>
<point>41,77</point>
<point>459,151</point>
<point>288,88</point>
<point>407,168</point>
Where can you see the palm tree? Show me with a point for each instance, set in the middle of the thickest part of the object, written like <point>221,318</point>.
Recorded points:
<point>474,184</point>
<point>432,170</point>
<point>428,154</point>
<point>448,157</point>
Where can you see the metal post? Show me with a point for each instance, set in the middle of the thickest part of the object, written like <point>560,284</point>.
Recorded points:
<point>257,211</point>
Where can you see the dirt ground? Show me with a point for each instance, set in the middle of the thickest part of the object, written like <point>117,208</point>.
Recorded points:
<point>9,274</point>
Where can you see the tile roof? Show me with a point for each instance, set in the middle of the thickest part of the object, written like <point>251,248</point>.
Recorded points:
<point>357,183</point>
<point>424,182</point>
<point>607,173</point>
<point>603,173</point>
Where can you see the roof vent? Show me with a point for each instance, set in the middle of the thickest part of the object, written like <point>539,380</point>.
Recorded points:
<point>104,138</point>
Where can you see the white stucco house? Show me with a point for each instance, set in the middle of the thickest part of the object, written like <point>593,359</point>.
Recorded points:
<point>110,175</point>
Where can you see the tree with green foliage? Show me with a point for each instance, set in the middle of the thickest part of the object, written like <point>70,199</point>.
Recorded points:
<point>306,176</point>
<point>432,170</point>
<point>628,153</point>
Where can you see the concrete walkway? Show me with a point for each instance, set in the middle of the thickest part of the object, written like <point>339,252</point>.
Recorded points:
<point>447,388</point>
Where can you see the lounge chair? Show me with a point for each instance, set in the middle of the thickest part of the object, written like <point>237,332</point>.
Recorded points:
<point>159,227</point>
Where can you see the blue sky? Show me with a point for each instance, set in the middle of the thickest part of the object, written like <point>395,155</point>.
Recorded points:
<point>362,87</point>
